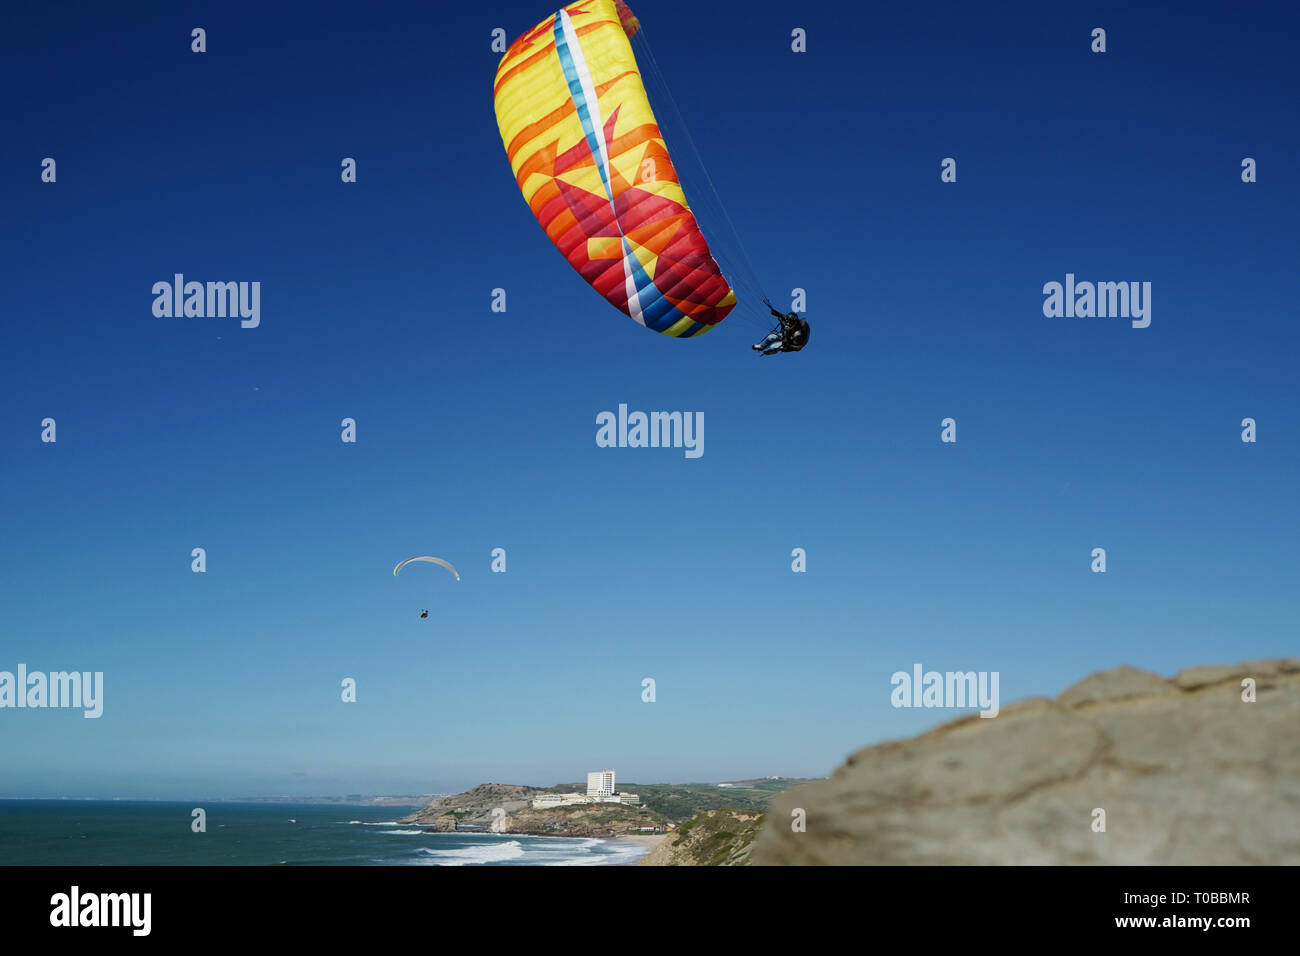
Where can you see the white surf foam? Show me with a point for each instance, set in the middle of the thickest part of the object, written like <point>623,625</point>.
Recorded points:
<point>470,855</point>
<point>596,853</point>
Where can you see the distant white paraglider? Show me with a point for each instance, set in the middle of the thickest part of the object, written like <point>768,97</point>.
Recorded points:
<point>430,560</point>
<point>445,564</point>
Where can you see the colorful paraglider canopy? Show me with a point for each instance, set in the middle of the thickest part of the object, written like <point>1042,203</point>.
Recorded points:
<point>438,561</point>
<point>589,157</point>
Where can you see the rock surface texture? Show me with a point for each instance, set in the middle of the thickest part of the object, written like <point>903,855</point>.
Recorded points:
<point>1186,771</point>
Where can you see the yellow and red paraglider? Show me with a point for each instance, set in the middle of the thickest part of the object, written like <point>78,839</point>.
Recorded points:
<point>591,162</point>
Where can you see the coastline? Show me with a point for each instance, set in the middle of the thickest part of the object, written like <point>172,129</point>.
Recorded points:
<point>644,839</point>
<point>647,841</point>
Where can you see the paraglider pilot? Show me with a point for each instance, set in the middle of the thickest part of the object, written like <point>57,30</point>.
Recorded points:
<point>790,336</point>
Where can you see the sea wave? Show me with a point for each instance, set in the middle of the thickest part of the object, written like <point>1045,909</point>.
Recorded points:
<point>469,856</point>
<point>593,852</point>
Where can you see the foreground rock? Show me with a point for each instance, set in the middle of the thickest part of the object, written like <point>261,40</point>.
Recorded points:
<point>1186,772</point>
<point>712,838</point>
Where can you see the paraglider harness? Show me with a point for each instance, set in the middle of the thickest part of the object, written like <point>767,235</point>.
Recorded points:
<point>788,326</point>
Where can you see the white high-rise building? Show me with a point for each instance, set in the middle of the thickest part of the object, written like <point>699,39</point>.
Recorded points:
<point>600,783</point>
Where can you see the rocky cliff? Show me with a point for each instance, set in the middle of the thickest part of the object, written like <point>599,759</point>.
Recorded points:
<point>474,806</point>
<point>583,820</point>
<point>1185,770</point>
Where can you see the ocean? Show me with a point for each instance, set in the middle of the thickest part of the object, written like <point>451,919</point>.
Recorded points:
<point>146,833</point>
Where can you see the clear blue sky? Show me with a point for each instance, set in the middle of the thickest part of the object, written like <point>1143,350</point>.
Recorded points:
<point>476,429</point>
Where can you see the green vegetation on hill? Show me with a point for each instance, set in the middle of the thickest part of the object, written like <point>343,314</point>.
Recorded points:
<point>713,838</point>
<point>584,819</point>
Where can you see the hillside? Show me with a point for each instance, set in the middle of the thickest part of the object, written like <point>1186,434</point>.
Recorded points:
<point>589,820</point>
<point>660,803</point>
<point>713,838</point>
<point>474,807</point>
<point>680,802</point>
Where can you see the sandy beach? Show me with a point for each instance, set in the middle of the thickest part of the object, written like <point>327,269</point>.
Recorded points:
<point>647,840</point>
